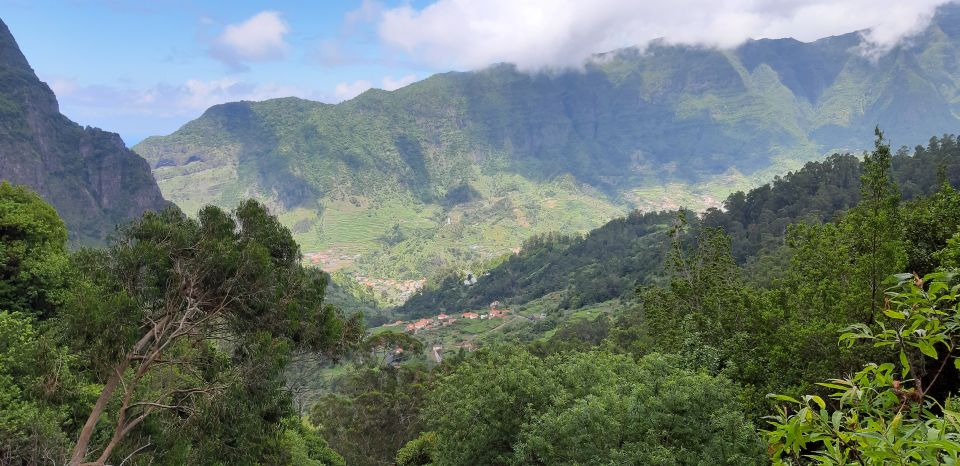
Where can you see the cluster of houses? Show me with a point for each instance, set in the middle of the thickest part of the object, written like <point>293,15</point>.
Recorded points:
<point>442,320</point>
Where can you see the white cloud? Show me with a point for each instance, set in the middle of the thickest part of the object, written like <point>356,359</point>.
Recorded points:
<point>347,91</point>
<point>258,39</point>
<point>368,10</point>
<point>536,34</point>
<point>391,84</point>
<point>186,99</point>
<point>159,109</point>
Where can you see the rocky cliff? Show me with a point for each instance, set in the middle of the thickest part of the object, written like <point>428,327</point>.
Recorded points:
<point>89,175</point>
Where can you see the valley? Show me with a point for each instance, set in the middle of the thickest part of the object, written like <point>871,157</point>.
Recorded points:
<point>689,250</point>
<point>455,171</point>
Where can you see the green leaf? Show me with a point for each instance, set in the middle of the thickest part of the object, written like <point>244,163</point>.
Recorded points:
<point>833,385</point>
<point>894,314</point>
<point>819,401</point>
<point>927,349</point>
<point>776,396</point>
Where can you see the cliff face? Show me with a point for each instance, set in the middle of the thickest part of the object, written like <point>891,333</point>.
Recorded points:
<point>89,175</point>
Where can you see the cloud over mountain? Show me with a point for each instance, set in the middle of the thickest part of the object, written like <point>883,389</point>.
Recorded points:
<point>540,34</point>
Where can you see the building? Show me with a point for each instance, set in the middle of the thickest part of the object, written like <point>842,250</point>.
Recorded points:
<point>421,324</point>
<point>471,315</point>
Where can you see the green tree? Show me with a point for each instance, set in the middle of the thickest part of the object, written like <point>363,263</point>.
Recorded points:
<point>305,447</point>
<point>169,294</point>
<point>40,392</point>
<point>419,451</point>
<point>33,256</point>
<point>373,412</point>
<point>884,414</point>
<point>505,406</point>
<point>949,256</point>
<point>928,223</point>
<point>874,227</point>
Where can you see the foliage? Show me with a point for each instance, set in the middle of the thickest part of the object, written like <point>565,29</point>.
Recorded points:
<point>419,451</point>
<point>306,448</point>
<point>373,412</point>
<point>178,336</point>
<point>506,406</point>
<point>875,227</point>
<point>41,390</point>
<point>929,223</point>
<point>949,256</point>
<point>612,260</point>
<point>884,414</point>
<point>172,289</point>
<point>33,256</point>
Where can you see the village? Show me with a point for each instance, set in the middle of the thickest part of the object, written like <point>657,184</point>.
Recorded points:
<point>442,319</point>
<point>456,331</point>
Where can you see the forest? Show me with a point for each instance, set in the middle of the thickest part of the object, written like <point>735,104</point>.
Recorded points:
<point>612,260</point>
<point>813,320</point>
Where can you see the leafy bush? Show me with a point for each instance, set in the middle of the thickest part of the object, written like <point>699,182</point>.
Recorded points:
<point>884,414</point>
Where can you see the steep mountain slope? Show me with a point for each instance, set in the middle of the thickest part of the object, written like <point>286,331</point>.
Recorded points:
<point>462,166</point>
<point>88,174</point>
<point>613,259</point>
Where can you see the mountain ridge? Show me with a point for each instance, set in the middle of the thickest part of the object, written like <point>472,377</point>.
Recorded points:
<point>633,129</point>
<point>89,175</point>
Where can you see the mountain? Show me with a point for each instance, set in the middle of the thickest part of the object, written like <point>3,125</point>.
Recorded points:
<point>611,261</point>
<point>463,166</point>
<point>89,175</point>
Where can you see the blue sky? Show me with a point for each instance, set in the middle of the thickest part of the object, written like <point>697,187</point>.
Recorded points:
<point>145,67</point>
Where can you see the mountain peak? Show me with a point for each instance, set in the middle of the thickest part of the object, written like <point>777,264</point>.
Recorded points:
<point>88,174</point>
<point>10,54</point>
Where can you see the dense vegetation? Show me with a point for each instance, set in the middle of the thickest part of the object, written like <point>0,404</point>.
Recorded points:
<point>180,343</point>
<point>613,259</point>
<point>468,165</point>
<point>203,338</point>
<point>168,347</point>
<point>765,323</point>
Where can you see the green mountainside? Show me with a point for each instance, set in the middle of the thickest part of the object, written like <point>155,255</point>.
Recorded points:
<point>89,175</point>
<point>461,167</point>
<point>611,261</point>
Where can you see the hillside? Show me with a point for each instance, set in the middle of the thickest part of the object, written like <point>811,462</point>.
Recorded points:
<point>614,259</point>
<point>89,175</point>
<point>461,167</point>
